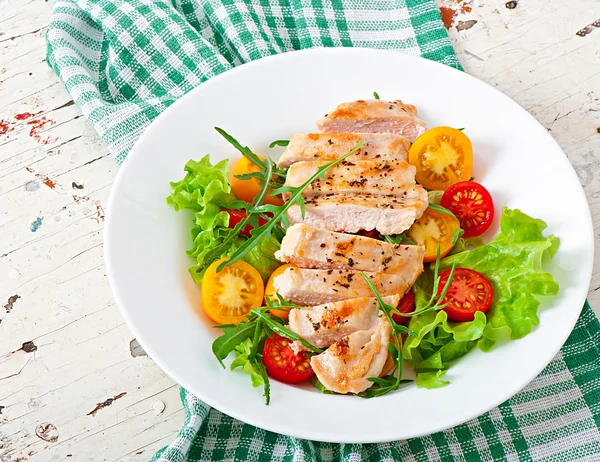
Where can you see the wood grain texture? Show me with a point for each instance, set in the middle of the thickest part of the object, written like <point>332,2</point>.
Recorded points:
<point>66,356</point>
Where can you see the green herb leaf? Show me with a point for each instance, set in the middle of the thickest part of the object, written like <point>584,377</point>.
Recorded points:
<point>231,338</point>
<point>375,95</point>
<point>279,143</point>
<point>319,386</point>
<point>275,324</point>
<point>264,231</point>
<point>440,209</point>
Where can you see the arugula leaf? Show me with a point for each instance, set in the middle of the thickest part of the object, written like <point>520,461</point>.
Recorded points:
<point>276,325</point>
<point>399,239</point>
<point>269,173</point>
<point>264,231</point>
<point>283,143</point>
<point>233,335</point>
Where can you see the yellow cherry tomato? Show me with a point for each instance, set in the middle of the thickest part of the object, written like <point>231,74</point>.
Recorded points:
<point>229,295</point>
<point>247,190</point>
<point>431,229</point>
<point>443,156</point>
<point>270,290</point>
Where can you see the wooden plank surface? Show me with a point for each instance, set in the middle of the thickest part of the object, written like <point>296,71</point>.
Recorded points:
<point>68,368</point>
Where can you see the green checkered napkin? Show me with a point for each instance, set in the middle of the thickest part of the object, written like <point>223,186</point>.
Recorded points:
<point>126,61</point>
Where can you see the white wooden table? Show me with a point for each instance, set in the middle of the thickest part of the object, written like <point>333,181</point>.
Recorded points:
<point>74,385</point>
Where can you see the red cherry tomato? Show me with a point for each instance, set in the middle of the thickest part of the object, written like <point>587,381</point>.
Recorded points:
<point>282,363</point>
<point>472,204</point>
<point>373,234</point>
<point>237,215</point>
<point>468,293</point>
<point>405,305</point>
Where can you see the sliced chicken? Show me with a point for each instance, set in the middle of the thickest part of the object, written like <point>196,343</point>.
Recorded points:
<point>309,287</point>
<point>352,213</point>
<point>374,116</point>
<point>328,147</point>
<point>345,366</point>
<point>349,177</point>
<point>309,247</point>
<point>323,325</point>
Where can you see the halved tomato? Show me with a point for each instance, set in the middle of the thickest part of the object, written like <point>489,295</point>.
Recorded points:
<point>247,190</point>
<point>472,204</point>
<point>405,305</point>
<point>282,363</point>
<point>443,156</point>
<point>229,295</point>
<point>270,290</point>
<point>468,293</point>
<point>432,229</point>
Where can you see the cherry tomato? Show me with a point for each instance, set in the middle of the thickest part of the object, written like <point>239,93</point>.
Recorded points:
<point>443,156</point>
<point>282,363</point>
<point>229,295</point>
<point>468,293</point>
<point>373,234</point>
<point>247,190</point>
<point>472,204</point>
<point>431,229</point>
<point>237,215</point>
<point>405,305</point>
<point>270,289</point>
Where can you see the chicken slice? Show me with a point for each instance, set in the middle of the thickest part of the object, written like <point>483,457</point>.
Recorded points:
<point>352,213</point>
<point>309,287</point>
<point>328,147</point>
<point>309,247</point>
<point>345,366</point>
<point>349,177</point>
<point>323,325</point>
<point>374,116</point>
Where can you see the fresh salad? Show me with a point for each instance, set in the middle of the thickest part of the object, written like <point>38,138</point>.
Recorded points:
<point>359,253</point>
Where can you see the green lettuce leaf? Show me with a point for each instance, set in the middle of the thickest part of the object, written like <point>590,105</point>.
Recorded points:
<point>262,256</point>
<point>438,344</point>
<point>205,190</point>
<point>512,262</point>
<point>243,361</point>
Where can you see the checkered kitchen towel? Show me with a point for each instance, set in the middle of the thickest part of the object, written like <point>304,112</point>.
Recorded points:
<point>126,61</point>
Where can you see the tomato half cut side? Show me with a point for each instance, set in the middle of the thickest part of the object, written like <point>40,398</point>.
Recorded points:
<point>230,294</point>
<point>473,206</point>
<point>468,293</point>
<point>283,364</point>
<point>405,305</point>
<point>432,229</point>
<point>443,156</point>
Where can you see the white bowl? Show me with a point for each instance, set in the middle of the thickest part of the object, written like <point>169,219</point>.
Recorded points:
<point>514,157</point>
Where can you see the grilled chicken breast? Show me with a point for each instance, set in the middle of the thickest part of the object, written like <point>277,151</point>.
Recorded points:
<point>349,177</point>
<point>374,116</point>
<point>352,213</point>
<point>345,366</point>
<point>309,287</point>
<point>308,247</point>
<point>323,325</point>
<point>328,147</point>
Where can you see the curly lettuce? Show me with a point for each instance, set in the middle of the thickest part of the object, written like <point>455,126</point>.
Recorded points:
<point>512,262</point>
<point>205,190</point>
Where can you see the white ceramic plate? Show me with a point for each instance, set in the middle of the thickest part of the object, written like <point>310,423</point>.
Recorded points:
<point>514,157</point>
